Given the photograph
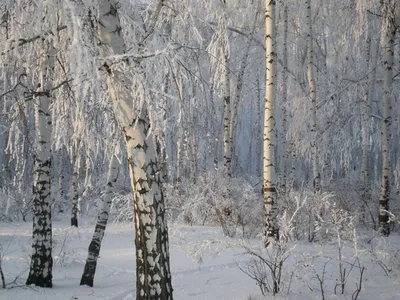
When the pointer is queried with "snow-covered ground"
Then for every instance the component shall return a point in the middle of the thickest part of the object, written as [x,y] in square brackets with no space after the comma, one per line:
[203,263]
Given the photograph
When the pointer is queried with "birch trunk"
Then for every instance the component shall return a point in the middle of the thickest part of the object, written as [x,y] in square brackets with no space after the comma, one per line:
[238,93]
[75,185]
[102,219]
[194,146]
[227,113]
[313,98]
[269,178]
[61,177]
[293,164]
[215,133]
[152,254]
[179,144]
[388,46]
[40,272]
[284,152]
[153,275]
[161,143]
[365,172]
[260,155]
[88,171]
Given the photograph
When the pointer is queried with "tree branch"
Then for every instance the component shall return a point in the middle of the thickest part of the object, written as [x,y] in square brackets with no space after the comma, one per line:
[23,41]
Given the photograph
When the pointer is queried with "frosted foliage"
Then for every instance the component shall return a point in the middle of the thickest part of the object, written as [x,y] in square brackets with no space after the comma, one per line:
[218,48]
[70,33]
[232,204]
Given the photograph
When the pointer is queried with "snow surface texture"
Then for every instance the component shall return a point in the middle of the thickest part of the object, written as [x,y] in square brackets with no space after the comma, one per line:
[203,263]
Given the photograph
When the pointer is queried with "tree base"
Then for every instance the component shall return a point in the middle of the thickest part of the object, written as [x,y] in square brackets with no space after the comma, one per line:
[74,222]
[88,273]
[45,282]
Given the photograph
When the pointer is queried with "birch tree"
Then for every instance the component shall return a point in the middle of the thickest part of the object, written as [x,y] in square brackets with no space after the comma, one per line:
[372,58]
[152,250]
[227,103]
[285,78]
[102,219]
[388,47]
[269,178]
[313,98]
[40,272]
[76,162]
[239,88]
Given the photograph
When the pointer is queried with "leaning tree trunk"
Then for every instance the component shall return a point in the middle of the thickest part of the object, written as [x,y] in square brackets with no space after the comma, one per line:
[152,256]
[313,98]
[389,41]
[269,179]
[153,274]
[95,244]
[40,272]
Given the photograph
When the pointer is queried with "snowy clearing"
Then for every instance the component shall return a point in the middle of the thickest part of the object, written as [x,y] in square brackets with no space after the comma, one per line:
[203,262]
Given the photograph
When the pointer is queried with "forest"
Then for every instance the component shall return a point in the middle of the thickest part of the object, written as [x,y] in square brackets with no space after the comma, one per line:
[200,149]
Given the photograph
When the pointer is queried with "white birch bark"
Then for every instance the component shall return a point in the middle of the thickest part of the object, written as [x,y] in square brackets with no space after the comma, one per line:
[75,185]
[269,178]
[40,272]
[313,98]
[152,250]
[293,164]
[179,145]
[227,111]
[285,77]
[194,133]
[214,137]
[61,177]
[373,51]
[102,219]
[260,155]
[388,46]
[161,137]
[238,92]
[88,170]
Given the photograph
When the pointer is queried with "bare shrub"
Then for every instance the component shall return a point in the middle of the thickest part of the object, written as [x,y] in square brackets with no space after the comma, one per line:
[233,204]
[267,265]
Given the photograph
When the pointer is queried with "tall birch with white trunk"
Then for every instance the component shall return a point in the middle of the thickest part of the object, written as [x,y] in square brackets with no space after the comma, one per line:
[75,184]
[177,78]
[227,103]
[220,64]
[153,274]
[313,98]
[271,230]
[102,219]
[372,58]
[238,91]
[40,272]
[388,47]
[284,152]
